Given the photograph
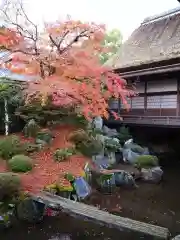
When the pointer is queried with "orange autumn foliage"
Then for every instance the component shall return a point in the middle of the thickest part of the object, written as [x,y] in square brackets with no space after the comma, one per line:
[65,59]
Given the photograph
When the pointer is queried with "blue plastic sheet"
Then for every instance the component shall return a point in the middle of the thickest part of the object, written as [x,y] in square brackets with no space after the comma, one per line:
[82,188]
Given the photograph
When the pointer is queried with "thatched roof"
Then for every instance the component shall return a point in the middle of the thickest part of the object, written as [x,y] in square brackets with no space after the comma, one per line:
[157,39]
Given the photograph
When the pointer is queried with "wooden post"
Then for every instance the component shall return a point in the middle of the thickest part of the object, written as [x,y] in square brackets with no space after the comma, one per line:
[145,96]
[178,98]
[6,117]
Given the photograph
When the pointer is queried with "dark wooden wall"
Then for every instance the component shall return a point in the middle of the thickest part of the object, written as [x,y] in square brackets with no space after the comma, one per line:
[168,93]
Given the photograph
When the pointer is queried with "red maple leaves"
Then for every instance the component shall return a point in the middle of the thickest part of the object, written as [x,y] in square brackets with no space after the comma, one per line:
[65,59]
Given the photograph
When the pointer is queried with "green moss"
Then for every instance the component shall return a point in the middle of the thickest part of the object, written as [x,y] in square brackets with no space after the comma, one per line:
[62,188]
[69,177]
[146,161]
[20,163]
[59,188]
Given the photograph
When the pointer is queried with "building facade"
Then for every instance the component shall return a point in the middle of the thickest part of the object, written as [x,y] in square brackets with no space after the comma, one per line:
[150,63]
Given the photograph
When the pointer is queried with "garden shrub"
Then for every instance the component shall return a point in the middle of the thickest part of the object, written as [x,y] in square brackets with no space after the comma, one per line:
[30,147]
[146,161]
[20,163]
[63,154]
[90,147]
[86,142]
[9,185]
[78,136]
[124,134]
[10,146]
[111,145]
[31,128]
[69,177]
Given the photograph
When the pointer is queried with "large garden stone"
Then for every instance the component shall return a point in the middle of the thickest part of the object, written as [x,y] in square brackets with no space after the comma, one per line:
[153,175]
[30,211]
[123,178]
[110,132]
[98,123]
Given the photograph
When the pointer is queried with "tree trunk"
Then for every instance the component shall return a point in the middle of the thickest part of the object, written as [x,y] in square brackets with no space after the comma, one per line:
[6,117]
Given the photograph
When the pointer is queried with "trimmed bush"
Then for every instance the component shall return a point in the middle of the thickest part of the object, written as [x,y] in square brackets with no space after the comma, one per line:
[9,185]
[63,154]
[10,146]
[146,161]
[20,163]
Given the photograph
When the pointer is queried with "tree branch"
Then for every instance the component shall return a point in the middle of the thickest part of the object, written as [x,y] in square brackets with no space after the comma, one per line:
[75,40]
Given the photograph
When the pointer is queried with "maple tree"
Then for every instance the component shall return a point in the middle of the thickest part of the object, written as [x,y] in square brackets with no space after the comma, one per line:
[64,59]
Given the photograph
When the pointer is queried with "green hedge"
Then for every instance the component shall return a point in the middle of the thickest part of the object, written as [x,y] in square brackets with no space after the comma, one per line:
[10,146]
[20,163]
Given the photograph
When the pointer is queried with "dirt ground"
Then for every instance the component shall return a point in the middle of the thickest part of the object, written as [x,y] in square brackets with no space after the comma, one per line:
[156,204]
[152,203]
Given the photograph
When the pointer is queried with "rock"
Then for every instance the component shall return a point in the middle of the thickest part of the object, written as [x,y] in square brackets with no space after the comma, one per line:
[111,158]
[98,123]
[123,178]
[30,211]
[176,237]
[129,156]
[153,175]
[110,132]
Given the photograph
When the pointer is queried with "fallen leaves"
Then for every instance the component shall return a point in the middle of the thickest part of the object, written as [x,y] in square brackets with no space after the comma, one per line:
[46,171]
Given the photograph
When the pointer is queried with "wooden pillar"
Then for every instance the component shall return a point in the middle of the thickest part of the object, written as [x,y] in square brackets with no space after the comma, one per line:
[178,97]
[145,96]
[119,106]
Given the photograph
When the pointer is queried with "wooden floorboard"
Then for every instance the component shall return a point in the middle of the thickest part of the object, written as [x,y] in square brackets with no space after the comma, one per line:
[101,217]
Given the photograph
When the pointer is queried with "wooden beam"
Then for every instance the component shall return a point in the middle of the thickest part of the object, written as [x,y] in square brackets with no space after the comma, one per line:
[158,93]
[90,213]
[150,71]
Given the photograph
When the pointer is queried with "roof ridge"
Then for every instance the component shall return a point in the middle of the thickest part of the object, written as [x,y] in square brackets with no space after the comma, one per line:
[162,15]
